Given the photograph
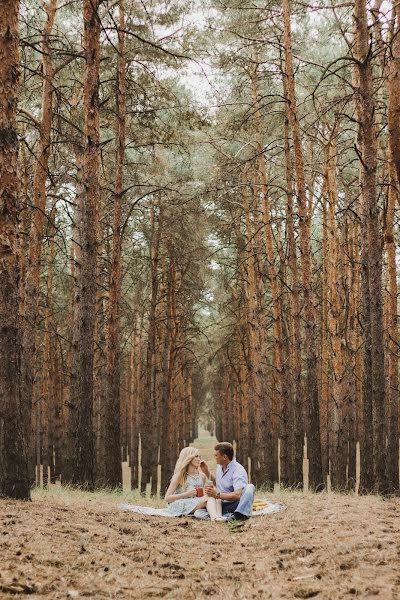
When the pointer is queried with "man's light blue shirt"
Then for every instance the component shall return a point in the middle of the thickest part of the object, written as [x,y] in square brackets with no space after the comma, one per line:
[233,479]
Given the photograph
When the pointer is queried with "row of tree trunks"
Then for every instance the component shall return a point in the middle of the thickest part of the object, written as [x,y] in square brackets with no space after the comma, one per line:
[341,380]
[347,384]
[162,405]
[74,368]
[273,385]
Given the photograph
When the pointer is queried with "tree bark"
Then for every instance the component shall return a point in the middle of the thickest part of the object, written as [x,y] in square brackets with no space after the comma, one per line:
[81,425]
[148,409]
[374,367]
[14,414]
[338,392]
[113,469]
[354,354]
[325,362]
[296,427]
[48,389]
[316,480]
[261,449]
[279,400]
[394,93]
[136,394]
[392,337]
[391,72]
[31,290]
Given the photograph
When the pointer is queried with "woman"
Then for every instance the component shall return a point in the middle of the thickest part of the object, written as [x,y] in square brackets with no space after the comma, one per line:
[182,496]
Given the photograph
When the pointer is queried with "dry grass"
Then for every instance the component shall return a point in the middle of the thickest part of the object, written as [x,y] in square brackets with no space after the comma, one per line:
[72,544]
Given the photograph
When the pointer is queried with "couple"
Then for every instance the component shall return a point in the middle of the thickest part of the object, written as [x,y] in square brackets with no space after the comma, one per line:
[228,495]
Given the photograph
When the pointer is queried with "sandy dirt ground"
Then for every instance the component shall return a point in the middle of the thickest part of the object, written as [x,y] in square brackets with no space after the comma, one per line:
[73,544]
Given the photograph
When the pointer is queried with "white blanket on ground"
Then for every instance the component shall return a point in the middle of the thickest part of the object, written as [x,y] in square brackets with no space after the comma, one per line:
[270,508]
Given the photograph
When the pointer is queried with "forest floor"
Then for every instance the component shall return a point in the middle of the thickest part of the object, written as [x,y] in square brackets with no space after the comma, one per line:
[70,544]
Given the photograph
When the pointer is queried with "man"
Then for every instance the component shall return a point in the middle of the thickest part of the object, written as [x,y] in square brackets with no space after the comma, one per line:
[232,486]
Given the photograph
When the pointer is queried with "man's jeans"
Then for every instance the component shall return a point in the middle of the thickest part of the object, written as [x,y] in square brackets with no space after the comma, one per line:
[244,505]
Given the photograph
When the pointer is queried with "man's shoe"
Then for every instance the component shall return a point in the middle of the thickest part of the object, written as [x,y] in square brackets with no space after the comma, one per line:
[239,516]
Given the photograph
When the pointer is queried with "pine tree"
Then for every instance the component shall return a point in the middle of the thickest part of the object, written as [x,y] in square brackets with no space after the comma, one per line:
[14,414]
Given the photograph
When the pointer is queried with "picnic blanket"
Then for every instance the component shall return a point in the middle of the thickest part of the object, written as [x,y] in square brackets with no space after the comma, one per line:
[271,507]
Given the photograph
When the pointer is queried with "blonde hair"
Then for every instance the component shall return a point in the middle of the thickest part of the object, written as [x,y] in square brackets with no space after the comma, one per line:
[185,458]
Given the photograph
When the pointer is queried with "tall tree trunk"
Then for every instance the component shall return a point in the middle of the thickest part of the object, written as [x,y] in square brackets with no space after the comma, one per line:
[168,399]
[31,291]
[261,450]
[48,391]
[125,403]
[59,422]
[14,429]
[74,307]
[244,410]
[148,412]
[113,469]
[391,72]
[316,480]
[165,400]
[374,367]
[364,360]
[279,398]
[99,359]
[354,354]
[188,404]
[394,92]
[136,399]
[337,398]
[392,337]
[25,212]
[81,426]
[296,427]
[172,386]
[325,362]
[243,362]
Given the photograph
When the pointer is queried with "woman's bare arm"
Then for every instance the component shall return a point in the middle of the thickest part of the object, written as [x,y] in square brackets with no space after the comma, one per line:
[170,496]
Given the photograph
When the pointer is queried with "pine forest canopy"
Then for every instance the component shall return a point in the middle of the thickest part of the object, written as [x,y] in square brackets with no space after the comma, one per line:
[199,223]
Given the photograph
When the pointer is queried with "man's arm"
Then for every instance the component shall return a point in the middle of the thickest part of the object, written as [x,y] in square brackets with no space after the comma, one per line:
[227,496]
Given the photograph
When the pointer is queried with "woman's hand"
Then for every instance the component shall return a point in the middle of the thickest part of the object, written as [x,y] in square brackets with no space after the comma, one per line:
[191,493]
